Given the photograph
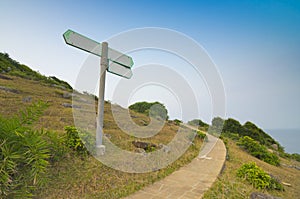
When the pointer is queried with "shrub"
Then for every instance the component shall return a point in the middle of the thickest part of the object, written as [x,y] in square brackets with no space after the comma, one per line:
[177,122]
[201,135]
[258,177]
[79,141]
[233,136]
[251,130]
[199,123]
[259,151]
[233,129]
[232,126]
[295,156]
[156,109]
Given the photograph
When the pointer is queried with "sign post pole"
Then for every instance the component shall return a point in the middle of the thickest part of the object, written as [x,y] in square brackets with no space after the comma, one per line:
[120,65]
[99,132]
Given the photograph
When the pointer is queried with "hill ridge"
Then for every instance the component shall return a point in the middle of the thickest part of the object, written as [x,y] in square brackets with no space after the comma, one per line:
[10,66]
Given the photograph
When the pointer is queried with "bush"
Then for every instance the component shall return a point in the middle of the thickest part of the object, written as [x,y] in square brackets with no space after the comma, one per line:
[201,135]
[199,123]
[79,141]
[233,136]
[259,151]
[295,156]
[177,122]
[258,177]
[233,129]
[156,109]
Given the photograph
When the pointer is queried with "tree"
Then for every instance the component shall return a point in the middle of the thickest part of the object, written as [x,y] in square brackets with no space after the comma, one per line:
[153,109]
[217,125]
[232,126]
[199,123]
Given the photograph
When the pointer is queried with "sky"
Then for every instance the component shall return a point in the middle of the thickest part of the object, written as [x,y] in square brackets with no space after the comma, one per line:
[254,44]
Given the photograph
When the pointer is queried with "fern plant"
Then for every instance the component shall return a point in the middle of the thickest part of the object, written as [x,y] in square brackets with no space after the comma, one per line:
[24,154]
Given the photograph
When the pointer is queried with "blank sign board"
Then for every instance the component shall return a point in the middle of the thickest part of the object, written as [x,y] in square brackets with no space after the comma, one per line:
[120,63]
[121,71]
[79,41]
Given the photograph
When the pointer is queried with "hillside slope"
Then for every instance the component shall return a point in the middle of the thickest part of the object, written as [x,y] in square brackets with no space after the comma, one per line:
[75,175]
[11,67]
[229,186]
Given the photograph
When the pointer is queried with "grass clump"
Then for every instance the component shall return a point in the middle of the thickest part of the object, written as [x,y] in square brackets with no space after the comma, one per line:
[258,177]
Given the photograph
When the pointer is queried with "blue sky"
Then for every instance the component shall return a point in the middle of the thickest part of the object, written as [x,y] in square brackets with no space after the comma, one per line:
[255,44]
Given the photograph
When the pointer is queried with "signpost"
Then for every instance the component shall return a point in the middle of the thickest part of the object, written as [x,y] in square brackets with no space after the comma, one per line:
[120,65]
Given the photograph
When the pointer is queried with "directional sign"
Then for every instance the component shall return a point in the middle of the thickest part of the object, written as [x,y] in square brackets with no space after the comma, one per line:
[120,65]
[79,41]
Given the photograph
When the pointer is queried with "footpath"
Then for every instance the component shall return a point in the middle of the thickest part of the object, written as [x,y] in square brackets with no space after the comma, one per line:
[192,180]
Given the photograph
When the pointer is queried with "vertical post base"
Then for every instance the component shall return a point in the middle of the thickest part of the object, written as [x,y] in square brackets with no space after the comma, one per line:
[100,150]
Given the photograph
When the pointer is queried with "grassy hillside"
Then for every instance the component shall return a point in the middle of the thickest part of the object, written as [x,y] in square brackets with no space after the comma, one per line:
[233,129]
[74,175]
[11,67]
[228,185]
[248,143]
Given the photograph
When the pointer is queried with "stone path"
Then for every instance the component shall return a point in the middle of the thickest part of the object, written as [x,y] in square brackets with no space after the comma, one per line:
[192,180]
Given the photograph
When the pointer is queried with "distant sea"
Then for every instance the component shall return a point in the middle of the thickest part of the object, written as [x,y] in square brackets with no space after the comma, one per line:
[288,138]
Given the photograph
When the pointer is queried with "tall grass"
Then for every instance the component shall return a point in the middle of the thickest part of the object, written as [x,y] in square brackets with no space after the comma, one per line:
[24,154]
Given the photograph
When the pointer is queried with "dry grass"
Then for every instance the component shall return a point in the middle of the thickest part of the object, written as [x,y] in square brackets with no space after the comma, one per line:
[76,176]
[229,186]
[54,118]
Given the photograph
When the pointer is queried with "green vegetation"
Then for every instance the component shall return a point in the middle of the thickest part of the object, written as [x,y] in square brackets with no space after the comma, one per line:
[259,151]
[232,128]
[258,177]
[199,123]
[156,109]
[248,143]
[78,140]
[12,67]
[217,125]
[76,174]
[25,154]
[72,173]
[228,185]
[295,156]
[254,140]
[201,135]
[177,121]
